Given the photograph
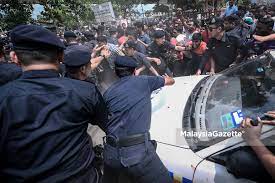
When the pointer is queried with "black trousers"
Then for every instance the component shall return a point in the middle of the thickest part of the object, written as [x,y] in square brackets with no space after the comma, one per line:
[140,167]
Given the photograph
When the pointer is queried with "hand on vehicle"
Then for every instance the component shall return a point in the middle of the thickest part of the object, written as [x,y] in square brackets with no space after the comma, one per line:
[198,72]
[251,133]
[168,80]
[212,72]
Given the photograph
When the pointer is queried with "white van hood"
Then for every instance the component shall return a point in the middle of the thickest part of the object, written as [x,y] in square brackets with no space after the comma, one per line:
[168,105]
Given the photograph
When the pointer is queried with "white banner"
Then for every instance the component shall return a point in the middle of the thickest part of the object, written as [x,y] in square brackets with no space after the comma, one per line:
[104,12]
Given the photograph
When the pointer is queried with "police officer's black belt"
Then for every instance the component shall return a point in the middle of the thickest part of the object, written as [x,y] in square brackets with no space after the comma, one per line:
[128,141]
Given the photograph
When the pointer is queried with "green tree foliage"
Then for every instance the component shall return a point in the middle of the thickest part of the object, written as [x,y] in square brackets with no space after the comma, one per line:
[14,12]
[70,13]
[161,8]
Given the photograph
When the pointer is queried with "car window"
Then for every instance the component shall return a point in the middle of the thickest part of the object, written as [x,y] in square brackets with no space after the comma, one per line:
[246,90]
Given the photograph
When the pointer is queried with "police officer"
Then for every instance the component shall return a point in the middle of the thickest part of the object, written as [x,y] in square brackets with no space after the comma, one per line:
[44,117]
[128,150]
[79,63]
[160,48]
[141,60]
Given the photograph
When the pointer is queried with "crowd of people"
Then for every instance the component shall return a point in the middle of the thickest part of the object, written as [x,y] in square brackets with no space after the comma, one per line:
[181,46]
[52,86]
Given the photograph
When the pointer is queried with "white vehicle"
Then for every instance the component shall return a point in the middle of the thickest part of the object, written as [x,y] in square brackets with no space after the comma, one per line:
[217,104]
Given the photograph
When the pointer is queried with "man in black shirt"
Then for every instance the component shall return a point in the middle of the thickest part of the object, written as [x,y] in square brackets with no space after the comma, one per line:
[222,48]
[160,48]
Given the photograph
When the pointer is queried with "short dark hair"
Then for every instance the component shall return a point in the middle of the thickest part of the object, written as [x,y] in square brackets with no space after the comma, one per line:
[70,39]
[139,25]
[269,22]
[102,39]
[231,19]
[72,70]
[131,32]
[124,71]
[30,57]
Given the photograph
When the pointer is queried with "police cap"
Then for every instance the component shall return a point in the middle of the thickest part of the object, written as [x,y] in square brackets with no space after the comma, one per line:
[78,56]
[32,37]
[68,34]
[159,34]
[125,61]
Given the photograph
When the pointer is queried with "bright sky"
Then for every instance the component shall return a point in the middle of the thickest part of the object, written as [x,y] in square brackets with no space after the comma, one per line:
[145,7]
[37,9]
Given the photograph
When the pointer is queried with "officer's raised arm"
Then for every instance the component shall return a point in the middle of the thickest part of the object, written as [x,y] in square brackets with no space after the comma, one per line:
[156,82]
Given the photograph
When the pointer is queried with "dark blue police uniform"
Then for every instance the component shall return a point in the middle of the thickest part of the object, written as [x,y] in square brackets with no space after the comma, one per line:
[128,151]
[76,57]
[161,52]
[44,118]
[9,72]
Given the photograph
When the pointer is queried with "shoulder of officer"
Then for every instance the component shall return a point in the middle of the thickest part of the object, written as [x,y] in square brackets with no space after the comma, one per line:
[77,84]
[9,72]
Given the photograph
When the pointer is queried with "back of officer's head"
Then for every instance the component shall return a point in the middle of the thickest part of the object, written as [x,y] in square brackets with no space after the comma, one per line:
[125,66]
[78,62]
[35,45]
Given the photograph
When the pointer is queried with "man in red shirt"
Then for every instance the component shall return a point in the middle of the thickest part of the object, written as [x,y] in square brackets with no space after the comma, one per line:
[196,48]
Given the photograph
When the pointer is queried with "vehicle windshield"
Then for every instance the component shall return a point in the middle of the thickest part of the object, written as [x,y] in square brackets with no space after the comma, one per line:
[225,99]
